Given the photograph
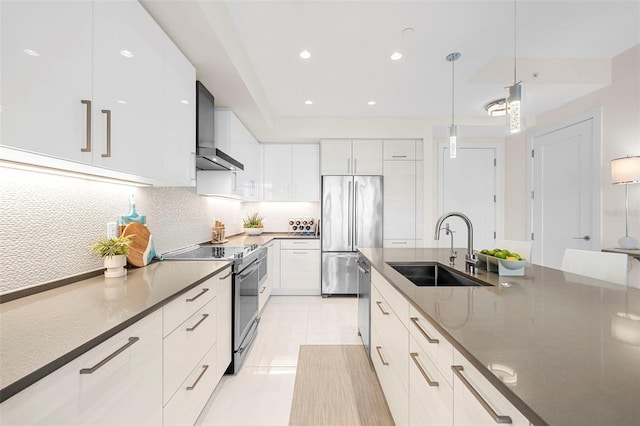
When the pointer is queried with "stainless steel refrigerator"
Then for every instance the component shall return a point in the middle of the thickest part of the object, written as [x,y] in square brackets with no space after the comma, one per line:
[351,218]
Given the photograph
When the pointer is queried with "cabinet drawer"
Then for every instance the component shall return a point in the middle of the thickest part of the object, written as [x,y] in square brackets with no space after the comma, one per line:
[394,391]
[189,400]
[178,310]
[440,352]
[430,395]
[394,335]
[300,244]
[471,391]
[186,345]
[398,303]
[399,149]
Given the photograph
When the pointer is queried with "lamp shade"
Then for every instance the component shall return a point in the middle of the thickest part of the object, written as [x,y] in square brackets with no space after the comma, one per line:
[625,170]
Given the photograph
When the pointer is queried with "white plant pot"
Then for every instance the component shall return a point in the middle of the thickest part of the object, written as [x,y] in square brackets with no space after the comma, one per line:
[115,266]
[253,231]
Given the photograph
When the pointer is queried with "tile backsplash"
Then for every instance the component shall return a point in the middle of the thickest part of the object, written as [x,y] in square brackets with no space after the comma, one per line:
[48,221]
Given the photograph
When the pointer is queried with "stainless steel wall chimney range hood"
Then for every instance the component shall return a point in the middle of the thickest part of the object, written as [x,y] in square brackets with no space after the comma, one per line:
[208,157]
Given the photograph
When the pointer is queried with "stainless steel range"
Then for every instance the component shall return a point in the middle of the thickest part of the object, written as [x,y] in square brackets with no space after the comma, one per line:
[249,270]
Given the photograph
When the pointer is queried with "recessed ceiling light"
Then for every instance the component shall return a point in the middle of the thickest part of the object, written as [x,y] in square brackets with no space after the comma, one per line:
[184,101]
[305,54]
[308,102]
[126,53]
[371,103]
[396,56]
[122,101]
[31,52]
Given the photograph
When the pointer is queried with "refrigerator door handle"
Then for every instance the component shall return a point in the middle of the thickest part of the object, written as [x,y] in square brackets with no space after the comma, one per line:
[349,215]
[355,214]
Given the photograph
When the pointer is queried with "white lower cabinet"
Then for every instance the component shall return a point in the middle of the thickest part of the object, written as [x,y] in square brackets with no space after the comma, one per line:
[299,267]
[478,402]
[117,382]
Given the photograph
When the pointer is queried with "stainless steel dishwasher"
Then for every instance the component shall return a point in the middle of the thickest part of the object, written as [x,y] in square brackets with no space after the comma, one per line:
[364,302]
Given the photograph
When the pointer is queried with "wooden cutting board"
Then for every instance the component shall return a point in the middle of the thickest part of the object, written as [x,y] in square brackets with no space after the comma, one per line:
[141,251]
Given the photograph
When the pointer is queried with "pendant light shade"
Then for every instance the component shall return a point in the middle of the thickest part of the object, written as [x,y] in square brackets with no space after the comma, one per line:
[514,101]
[453,129]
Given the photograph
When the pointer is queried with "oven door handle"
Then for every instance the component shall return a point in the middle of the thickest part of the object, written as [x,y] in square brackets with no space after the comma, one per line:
[248,270]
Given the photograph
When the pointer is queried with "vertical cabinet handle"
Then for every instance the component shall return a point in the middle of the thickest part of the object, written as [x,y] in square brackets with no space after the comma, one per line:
[458,369]
[430,339]
[379,350]
[414,357]
[91,370]
[108,112]
[204,370]
[355,214]
[381,308]
[355,166]
[87,147]
[348,165]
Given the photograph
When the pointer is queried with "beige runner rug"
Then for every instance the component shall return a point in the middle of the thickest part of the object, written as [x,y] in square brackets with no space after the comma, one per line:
[336,385]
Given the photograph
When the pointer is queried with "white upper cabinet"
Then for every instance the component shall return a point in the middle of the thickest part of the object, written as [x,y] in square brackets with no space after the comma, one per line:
[127,84]
[233,138]
[346,157]
[399,149]
[179,116]
[84,81]
[46,72]
[399,200]
[291,172]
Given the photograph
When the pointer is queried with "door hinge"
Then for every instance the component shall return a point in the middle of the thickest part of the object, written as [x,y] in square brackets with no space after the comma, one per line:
[532,236]
[495,162]
[533,154]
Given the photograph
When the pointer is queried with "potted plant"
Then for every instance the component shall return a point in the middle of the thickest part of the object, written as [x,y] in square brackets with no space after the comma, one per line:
[114,251]
[253,224]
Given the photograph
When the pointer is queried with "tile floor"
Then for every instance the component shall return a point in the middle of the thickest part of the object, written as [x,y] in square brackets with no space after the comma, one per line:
[261,392]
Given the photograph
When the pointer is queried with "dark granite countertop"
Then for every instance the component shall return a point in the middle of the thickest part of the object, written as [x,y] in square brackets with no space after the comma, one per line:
[572,341]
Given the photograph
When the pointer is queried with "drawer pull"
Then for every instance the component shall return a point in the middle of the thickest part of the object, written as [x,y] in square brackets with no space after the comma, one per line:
[379,349]
[204,290]
[225,277]
[398,156]
[414,357]
[457,369]
[193,386]
[204,317]
[299,252]
[423,332]
[263,289]
[91,370]
[381,308]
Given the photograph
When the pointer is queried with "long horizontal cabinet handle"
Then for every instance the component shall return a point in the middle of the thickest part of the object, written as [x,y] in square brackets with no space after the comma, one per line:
[93,369]
[379,350]
[204,370]
[191,299]
[414,357]
[226,276]
[458,369]
[204,317]
[430,339]
[381,308]
[262,289]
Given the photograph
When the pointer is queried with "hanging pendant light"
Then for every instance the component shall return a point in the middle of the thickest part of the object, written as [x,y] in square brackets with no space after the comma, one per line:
[453,129]
[515,93]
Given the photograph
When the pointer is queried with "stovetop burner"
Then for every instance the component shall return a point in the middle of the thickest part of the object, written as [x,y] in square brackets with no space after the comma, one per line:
[210,252]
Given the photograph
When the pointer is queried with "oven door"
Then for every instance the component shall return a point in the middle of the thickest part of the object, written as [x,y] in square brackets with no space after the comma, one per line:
[245,304]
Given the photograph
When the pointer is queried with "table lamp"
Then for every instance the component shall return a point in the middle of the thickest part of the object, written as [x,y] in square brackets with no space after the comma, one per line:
[624,171]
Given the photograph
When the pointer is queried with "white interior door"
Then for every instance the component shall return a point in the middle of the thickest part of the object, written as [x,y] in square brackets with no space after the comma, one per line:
[468,184]
[565,176]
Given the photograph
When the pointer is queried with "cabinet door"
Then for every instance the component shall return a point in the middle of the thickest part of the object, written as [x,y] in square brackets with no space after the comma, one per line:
[367,157]
[125,390]
[305,172]
[273,268]
[224,326]
[267,286]
[300,271]
[46,72]
[178,117]
[399,221]
[399,149]
[127,86]
[277,172]
[245,148]
[335,157]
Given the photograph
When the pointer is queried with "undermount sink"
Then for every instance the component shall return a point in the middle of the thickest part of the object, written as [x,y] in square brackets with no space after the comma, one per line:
[432,275]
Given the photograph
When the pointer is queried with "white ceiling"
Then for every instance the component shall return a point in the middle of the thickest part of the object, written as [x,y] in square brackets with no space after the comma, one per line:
[246,52]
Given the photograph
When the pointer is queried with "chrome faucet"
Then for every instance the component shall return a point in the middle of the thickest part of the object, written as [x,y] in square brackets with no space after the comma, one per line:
[452,254]
[470,260]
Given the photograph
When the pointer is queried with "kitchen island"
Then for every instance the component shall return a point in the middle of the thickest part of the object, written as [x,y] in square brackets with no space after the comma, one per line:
[566,339]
